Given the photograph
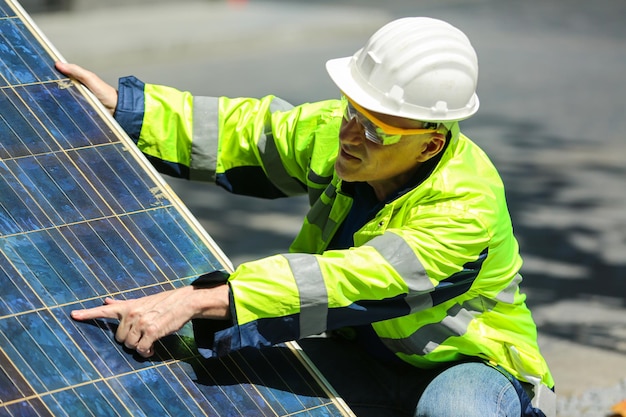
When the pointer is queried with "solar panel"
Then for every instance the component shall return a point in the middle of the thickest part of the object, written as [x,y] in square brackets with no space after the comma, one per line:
[82,217]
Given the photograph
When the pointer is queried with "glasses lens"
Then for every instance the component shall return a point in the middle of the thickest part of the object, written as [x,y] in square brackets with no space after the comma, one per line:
[370,130]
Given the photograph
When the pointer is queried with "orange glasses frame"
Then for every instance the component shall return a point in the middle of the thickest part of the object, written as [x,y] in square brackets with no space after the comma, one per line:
[376,130]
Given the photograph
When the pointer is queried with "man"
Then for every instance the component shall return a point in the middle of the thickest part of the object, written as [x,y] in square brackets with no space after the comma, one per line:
[407,257]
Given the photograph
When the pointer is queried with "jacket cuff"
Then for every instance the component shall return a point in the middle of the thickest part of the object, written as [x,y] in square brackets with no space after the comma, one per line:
[216,338]
[212,342]
[130,106]
[206,331]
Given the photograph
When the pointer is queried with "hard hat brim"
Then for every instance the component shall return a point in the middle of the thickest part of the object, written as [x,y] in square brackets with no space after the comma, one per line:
[340,72]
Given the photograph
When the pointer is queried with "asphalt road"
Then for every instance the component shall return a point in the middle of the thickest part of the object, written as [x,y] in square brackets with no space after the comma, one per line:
[553,107]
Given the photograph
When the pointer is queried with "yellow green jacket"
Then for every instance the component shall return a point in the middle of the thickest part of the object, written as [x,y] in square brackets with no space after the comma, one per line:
[436,272]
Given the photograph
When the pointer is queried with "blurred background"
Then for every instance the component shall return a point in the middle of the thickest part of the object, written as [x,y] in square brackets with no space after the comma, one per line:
[553,105]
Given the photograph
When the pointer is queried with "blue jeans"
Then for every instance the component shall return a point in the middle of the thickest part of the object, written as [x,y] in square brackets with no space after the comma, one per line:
[374,388]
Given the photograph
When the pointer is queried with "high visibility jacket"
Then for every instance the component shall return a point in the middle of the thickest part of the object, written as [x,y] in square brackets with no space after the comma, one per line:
[436,271]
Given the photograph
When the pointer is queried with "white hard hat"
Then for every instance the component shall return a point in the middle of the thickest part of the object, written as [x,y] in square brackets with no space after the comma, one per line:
[416,67]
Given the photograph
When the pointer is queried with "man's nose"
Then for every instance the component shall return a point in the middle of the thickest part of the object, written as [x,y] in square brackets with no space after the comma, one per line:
[351,131]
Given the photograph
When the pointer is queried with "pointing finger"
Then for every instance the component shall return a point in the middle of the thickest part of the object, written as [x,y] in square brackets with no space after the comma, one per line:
[111,310]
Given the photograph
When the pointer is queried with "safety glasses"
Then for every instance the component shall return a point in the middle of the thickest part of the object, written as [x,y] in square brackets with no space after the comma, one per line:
[375,129]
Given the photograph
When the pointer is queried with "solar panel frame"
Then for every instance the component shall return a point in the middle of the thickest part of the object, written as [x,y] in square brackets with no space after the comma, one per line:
[83,216]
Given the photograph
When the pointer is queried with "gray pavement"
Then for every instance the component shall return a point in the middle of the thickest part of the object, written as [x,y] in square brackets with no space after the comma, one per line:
[553,111]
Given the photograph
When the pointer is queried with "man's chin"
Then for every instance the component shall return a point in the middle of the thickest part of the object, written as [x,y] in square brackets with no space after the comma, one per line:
[344,172]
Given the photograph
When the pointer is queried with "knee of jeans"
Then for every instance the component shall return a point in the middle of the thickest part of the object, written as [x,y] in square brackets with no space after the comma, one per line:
[469,390]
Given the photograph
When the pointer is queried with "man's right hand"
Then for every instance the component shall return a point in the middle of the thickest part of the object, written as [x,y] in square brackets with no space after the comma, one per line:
[103,91]
[143,321]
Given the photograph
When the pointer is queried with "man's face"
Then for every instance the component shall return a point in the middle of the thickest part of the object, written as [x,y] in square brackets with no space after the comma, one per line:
[384,167]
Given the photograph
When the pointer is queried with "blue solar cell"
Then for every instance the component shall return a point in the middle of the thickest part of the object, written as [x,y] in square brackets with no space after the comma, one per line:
[13,386]
[22,56]
[123,194]
[23,214]
[83,217]
[93,399]
[17,295]
[5,10]
[67,118]
[21,136]
[29,408]
[51,270]
[172,241]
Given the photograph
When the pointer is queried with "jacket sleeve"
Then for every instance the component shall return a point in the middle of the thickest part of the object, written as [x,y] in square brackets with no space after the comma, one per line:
[402,270]
[260,147]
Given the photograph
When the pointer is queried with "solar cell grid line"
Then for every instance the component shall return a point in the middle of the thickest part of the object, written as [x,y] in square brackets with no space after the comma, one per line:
[83,216]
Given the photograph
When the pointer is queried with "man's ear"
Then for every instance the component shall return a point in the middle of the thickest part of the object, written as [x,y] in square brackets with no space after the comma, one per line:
[432,147]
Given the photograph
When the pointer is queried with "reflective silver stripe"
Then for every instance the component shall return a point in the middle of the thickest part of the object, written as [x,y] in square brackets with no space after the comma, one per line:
[204,139]
[314,193]
[318,179]
[272,163]
[278,104]
[419,302]
[319,215]
[507,295]
[313,295]
[545,400]
[401,257]
[428,338]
